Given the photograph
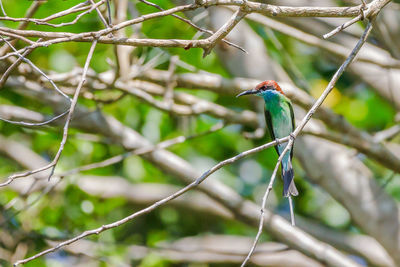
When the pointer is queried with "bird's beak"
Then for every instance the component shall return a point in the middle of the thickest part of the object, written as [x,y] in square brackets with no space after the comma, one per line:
[248,92]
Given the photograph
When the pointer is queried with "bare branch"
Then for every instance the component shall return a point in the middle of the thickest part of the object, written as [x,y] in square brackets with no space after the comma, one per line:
[109,12]
[169,92]
[194,25]
[223,31]
[287,11]
[66,127]
[141,151]
[103,20]
[29,13]
[2,8]
[366,12]
[67,12]
[15,64]
[36,68]
[217,249]
[31,124]
[334,48]
[77,8]
[387,133]
[344,25]
[16,36]
[246,7]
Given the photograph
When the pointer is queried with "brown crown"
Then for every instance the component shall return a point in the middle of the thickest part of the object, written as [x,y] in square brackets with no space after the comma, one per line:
[269,85]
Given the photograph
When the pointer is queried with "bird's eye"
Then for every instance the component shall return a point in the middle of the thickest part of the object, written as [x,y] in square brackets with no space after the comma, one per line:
[264,88]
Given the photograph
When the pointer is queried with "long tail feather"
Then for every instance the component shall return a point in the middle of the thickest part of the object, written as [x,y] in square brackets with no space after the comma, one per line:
[292,220]
[289,187]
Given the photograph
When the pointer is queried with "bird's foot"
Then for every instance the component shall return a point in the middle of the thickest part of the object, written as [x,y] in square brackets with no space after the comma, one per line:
[292,136]
[362,10]
[277,141]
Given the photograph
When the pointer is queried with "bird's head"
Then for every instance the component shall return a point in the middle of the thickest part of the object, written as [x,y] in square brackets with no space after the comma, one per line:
[262,88]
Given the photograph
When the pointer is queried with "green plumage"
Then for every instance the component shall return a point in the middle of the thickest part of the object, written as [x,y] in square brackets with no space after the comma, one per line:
[280,121]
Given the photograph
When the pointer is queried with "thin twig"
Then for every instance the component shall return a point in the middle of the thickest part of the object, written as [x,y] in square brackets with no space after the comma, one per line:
[390,87]
[298,76]
[171,83]
[364,5]
[109,12]
[74,9]
[343,26]
[264,201]
[223,31]
[32,124]
[334,48]
[387,133]
[22,26]
[72,107]
[12,67]
[140,151]
[334,79]
[65,130]
[207,44]
[103,20]
[31,202]
[75,20]
[16,36]
[36,68]
[194,25]
[2,9]
[77,8]
[99,35]
[365,12]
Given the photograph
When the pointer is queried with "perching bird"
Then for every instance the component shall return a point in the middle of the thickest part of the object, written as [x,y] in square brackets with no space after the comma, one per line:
[280,121]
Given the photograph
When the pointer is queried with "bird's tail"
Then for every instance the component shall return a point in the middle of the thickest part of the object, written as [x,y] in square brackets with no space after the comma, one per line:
[289,188]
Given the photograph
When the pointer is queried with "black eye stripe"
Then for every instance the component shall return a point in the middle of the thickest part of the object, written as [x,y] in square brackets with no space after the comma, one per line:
[265,88]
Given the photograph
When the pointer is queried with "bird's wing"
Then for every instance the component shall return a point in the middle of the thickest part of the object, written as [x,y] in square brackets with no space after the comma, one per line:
[293,123]
[268,119]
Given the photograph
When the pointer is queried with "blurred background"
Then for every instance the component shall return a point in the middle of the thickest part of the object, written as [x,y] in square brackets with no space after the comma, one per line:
[346,160]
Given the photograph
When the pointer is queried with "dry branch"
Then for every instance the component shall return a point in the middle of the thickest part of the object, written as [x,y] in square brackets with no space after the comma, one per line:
[334,48]
[211,249]
[206,44]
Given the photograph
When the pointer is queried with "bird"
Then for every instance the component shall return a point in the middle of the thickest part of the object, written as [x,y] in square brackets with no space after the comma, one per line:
[279,117]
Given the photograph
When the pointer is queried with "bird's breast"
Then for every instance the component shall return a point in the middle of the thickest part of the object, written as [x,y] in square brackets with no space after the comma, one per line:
[280,116]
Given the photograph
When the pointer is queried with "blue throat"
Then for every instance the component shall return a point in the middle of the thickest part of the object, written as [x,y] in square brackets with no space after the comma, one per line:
[269,95]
